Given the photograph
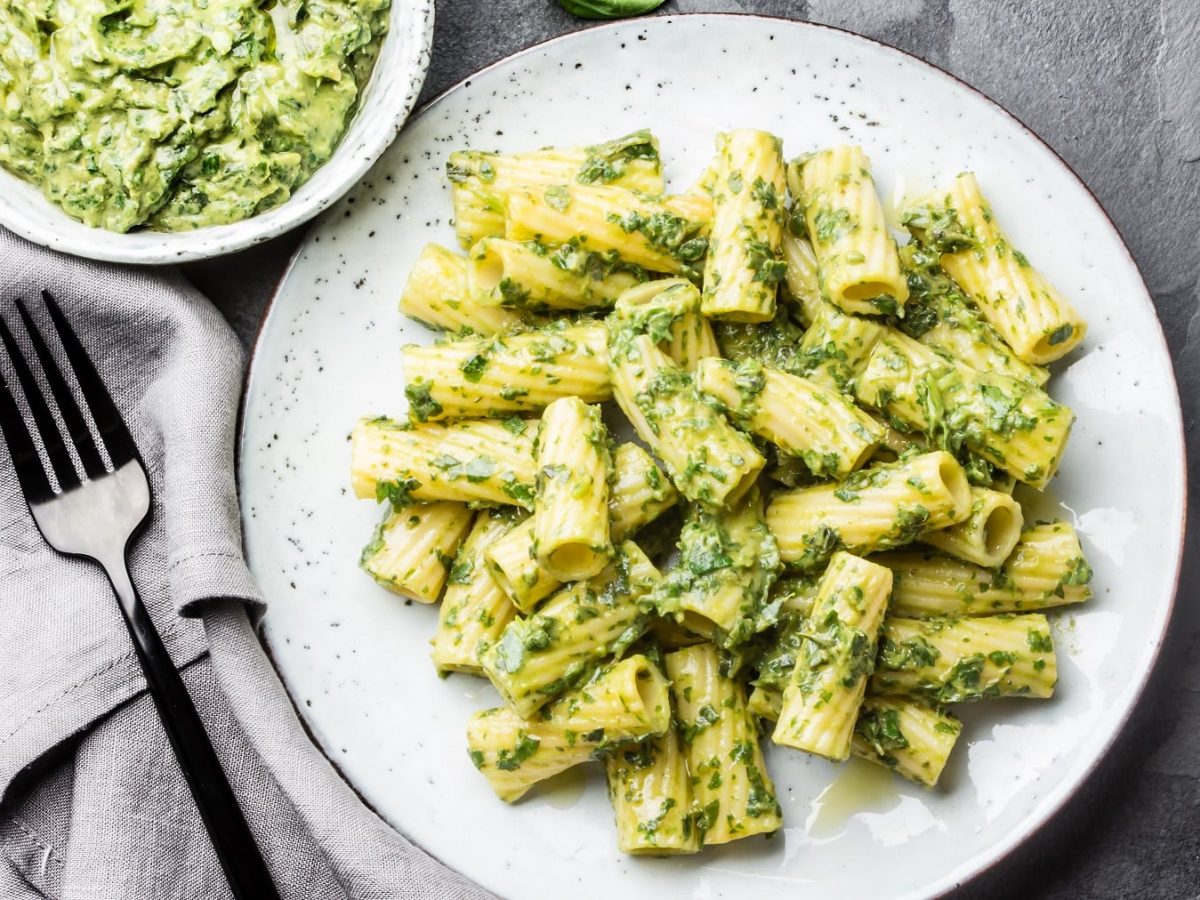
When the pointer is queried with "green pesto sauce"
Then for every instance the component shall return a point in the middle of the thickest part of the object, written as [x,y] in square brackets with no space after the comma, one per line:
[176,114]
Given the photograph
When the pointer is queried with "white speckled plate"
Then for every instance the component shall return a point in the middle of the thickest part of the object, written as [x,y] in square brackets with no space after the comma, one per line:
[387,100]
[356,658]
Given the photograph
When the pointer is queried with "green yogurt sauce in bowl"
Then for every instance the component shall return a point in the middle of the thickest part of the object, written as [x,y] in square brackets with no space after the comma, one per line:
[173,115]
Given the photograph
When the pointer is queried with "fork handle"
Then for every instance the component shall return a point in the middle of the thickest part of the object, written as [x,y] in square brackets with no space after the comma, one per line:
[237,851]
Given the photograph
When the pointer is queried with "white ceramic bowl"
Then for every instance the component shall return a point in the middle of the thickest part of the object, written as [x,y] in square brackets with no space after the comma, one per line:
[388,99]
[356,658]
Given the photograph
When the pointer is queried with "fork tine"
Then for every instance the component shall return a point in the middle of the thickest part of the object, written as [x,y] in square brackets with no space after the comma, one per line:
[121,448]
[43,419]
[22,449]
[77,428]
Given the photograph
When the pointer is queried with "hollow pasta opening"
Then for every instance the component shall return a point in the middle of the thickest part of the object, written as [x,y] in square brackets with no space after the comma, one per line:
[955,479]
[739,490]
[866,290]
[648,688]
[575,561]
[487,269]
[1000,532]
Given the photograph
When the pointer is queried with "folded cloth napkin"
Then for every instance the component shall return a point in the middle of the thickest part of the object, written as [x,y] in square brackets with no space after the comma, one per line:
[92,802]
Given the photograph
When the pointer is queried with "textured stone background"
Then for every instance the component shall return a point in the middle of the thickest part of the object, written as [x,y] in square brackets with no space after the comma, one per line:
[1114,87]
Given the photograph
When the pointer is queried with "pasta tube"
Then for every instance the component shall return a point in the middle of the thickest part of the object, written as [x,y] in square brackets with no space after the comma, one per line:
[436,294]
[553,650]
[530,275]
[639,494]
[1003,482]
[956,660]
[910,739]
[765,702]
[662,235]
[877,508]
[745,264]
[832,435]
[733,792]
[412,548]
[669,311]
[640,491]
[507,373]
[475,460]
[651,794]
[836,347]
[802,277]
[627,701]
[1032,317]
[988,535]
[708,460]
[858,264]
[937,314]
[835,658]
[1009,423]
[1046,569]
[474,611]
[481,180]
[728,562]
[570,513]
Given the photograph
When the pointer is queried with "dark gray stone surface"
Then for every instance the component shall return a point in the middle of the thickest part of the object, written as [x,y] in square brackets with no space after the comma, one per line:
[1115,89]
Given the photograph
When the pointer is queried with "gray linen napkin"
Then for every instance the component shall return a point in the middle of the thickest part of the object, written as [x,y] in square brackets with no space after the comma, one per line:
[92,803]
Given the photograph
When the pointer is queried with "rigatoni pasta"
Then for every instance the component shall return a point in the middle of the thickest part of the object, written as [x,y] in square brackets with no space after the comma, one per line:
[509,373]
[1047,568]
[640,492]
[437,294]
[651,793]
[802,277]
[531,276]
[744,264]
[544,654]
[668,309]
[877,508]
[911,739]
[939,315]
[841,423]
[474,611]
[989,533]
[836,346]
[662,235]
[484,460]
[627,701]
[734,794]
[859,268]
[1010,423]
[411,551]
[1034,319]
[707,459]
[481,181]
[958,660]
[835,658]
[570,524]
[727,564]
[820,426]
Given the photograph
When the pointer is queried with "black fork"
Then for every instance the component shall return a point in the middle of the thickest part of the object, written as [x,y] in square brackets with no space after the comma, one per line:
[97,517]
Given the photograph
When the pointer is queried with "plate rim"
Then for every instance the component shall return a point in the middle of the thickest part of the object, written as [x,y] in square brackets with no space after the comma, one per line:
[951,881]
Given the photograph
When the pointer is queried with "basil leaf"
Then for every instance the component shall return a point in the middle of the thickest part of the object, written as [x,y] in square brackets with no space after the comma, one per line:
[609,9]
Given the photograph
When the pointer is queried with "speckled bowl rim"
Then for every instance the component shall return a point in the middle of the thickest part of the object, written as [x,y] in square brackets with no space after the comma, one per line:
[945,883]
[352,162]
